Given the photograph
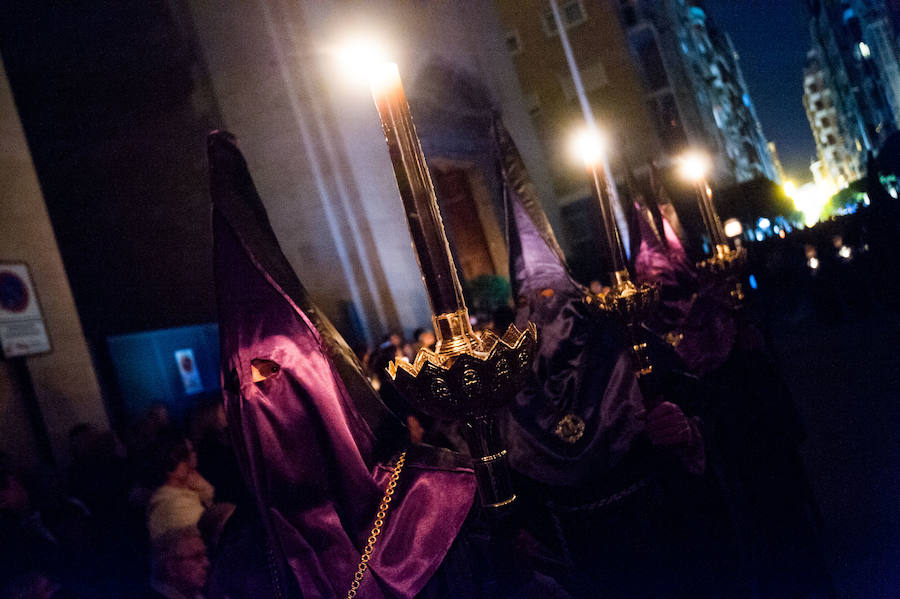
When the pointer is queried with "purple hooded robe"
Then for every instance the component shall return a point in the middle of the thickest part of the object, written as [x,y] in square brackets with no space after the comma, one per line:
[313,440]
[578,414]
[695,311]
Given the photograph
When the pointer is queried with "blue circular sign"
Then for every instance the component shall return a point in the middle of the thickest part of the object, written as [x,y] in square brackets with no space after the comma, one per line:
[13,292]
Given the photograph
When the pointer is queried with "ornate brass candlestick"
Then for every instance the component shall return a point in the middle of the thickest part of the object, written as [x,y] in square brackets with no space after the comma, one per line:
[725,262]
[628,303]
[469,375]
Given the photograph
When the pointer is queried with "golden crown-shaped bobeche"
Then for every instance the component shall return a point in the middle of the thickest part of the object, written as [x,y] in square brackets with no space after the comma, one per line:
[468,373]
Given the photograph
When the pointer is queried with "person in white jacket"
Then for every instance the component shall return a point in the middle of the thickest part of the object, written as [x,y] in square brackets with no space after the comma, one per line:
[184,495]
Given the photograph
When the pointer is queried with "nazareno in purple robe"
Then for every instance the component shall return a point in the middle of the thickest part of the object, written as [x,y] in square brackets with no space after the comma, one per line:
[696,311]
[582,377]
[313,439]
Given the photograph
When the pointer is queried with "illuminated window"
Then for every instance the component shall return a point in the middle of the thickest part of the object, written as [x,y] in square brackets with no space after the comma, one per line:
[572,13]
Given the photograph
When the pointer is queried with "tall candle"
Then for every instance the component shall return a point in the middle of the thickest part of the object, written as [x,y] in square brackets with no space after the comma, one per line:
[713,222]
[608,228]
[417,193]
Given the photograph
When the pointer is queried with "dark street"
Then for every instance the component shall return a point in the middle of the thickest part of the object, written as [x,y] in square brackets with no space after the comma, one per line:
[845,379]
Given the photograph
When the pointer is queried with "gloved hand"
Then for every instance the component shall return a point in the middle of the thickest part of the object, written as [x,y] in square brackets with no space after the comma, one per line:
[667,426]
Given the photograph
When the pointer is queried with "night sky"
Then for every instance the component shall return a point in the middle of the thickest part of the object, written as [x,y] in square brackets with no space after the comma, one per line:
[772,38]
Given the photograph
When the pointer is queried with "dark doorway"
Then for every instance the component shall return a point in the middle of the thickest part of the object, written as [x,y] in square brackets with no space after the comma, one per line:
[465,229]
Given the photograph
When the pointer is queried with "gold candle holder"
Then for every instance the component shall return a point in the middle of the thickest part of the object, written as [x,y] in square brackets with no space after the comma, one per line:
[469,375]
[628,303]
[725,262]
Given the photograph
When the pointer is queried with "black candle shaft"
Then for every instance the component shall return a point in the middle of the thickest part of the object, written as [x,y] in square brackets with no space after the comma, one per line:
[610,231]
[417,193]
[711,217]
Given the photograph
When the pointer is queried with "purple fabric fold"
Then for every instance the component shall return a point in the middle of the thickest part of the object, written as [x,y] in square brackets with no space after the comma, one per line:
[313,440]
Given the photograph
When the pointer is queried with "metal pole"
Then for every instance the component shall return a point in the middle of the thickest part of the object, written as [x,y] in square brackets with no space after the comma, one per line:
[589,118]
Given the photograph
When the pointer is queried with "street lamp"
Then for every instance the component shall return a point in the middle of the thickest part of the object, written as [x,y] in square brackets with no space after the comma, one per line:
[733,228]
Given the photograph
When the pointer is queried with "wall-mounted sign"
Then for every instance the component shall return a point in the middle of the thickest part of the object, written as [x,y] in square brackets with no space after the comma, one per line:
[22,328]
[187,367]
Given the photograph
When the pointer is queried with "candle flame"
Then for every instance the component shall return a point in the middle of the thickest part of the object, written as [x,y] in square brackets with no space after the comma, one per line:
[360,57]
[384,76]
[589,145]
[694,166]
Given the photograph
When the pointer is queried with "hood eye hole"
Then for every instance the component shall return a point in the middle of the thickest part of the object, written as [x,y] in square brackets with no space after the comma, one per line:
[263,369]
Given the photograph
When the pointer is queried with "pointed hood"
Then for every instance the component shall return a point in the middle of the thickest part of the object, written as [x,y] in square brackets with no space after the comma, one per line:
[313,439]
[696,314]
[536,260]
[659,197]
[659,255]
[576,417]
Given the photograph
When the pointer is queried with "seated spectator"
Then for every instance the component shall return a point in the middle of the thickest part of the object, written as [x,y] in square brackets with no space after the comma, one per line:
[179,565]
[424,337]
[50,536]
[216,461]
[183,494]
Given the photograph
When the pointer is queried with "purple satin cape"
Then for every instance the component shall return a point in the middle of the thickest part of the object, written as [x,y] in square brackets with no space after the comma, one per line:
[313,439]
[580,369]
[698,310]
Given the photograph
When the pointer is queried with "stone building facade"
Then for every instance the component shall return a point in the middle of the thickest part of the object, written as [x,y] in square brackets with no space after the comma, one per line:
[829,128]
[855,56]
[695,87]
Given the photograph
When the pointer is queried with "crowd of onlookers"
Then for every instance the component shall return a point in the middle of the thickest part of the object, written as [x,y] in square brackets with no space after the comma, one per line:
[138,516]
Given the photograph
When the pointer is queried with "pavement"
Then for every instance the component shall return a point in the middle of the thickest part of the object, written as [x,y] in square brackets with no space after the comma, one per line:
[845,378]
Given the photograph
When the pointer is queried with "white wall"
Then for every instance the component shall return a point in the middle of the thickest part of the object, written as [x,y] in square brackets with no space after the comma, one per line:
[64,380]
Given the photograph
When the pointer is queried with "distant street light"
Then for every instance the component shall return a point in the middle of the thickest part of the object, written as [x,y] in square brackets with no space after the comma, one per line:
[790,188]
[733,228]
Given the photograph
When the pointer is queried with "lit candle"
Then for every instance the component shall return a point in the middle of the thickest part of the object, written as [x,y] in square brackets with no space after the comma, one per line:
[694,167]
[590,146]
[417,193]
